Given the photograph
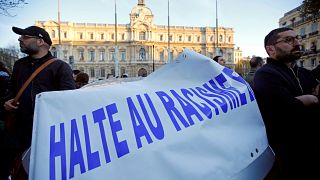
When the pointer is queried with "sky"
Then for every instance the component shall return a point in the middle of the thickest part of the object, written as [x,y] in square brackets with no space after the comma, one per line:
[251,20]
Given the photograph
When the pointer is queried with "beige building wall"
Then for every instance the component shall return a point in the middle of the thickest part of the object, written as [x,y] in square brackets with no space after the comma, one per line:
[142,46]
[308,29]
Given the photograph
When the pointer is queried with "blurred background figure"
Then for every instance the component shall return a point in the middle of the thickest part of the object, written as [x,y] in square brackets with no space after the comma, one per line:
[4,82]
[81,79]
[255,64]
[220,60]
[75,73]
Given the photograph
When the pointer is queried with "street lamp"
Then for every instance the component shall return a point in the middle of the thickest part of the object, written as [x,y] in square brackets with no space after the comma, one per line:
[152,58]
[169,58]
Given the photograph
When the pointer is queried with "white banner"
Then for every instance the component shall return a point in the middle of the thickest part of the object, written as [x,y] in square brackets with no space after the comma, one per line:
[191,119]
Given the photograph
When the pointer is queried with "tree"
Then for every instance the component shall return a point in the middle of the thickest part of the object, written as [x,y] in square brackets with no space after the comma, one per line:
[310,8]
[9,55]
[6,5]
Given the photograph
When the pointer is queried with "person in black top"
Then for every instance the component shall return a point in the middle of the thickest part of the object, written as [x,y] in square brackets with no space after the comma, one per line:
[255,64]
[35,42]
[289,106]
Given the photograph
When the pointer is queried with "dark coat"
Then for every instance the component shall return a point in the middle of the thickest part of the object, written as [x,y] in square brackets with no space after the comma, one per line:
[291,126]
[56,76]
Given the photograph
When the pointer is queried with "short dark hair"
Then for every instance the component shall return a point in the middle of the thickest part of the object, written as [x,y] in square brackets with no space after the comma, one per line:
[255,61]
[82,77]
[76,71]
[272,37]
[216,58]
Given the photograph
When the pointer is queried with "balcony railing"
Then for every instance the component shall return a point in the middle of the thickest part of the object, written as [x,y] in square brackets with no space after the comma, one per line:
[313,33]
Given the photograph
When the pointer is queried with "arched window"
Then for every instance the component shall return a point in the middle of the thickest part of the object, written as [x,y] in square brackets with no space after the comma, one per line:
[220,38]
[91,54]
[53,33]
[54,51]
[123,55]
[161,55]
[142,72]
[142,54]
[102,54]
[81,54]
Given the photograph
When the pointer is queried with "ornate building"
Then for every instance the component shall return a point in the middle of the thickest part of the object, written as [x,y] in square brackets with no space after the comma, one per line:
[308,29]
[135,49]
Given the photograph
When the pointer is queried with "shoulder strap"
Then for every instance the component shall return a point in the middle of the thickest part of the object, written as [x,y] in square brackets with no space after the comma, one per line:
[34,74]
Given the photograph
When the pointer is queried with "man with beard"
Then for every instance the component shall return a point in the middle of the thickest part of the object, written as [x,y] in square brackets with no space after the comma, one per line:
[35,42]
[286,97]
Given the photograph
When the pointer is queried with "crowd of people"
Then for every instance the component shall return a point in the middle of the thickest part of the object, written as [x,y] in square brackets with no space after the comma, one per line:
[287,95]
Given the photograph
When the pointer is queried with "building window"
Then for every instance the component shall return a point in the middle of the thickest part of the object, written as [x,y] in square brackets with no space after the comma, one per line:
[142,35]
[161,55]
[91,35]
[170,38]
[314,27]
[101,36]
[91,53]
[198,38]
[123,55]
[80,35]
[53,34]
[211,38]
[113,55]
[81,55]
[102,55]
[92,73]
[229,57]
[65,35]
[112,36]
[189,38]
[229,39]
[161,37]
[102,72]
[220,38]
[142,54]
[180,38]
[122,36]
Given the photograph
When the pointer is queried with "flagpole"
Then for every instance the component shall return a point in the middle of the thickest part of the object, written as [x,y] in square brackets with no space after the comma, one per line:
[116,63]
[217,32]
[169,57]
[59,32]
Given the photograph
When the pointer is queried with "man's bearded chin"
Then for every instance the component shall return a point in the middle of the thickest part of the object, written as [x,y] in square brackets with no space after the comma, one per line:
[294,55]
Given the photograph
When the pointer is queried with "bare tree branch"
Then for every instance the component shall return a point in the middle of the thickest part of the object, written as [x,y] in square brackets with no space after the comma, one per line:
[6,5]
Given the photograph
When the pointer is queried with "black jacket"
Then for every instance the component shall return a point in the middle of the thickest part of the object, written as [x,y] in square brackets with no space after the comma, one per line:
[291,127]
[56,76]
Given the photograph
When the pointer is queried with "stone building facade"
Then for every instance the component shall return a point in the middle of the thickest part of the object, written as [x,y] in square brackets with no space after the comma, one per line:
[308,28]
[137,49]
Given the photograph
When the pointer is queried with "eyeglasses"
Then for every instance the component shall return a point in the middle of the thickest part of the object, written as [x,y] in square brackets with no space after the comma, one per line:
[289,39]
[28,37]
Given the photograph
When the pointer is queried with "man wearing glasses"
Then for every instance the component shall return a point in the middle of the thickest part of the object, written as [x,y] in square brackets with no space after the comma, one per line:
[35,42]
[289,106]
